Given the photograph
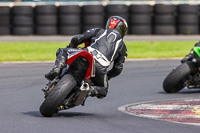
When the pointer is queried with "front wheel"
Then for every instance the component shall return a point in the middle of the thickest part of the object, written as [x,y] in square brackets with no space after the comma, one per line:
[174,82]
[57,95]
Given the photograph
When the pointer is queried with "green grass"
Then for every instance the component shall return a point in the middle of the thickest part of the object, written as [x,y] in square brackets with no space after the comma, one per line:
[40,51]
[29,51]
[159,49]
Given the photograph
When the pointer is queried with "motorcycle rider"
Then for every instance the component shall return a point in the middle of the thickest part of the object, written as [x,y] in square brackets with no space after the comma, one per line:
[189,56]
[106,46]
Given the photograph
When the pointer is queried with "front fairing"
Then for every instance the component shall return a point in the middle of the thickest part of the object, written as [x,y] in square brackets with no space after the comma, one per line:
[196,55]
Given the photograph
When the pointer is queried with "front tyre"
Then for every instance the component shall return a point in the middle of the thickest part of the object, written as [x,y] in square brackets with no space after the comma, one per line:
[57,95]
[174,82]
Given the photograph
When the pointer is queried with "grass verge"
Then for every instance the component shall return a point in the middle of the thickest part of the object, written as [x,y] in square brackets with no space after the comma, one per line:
[159,49]
[40,51]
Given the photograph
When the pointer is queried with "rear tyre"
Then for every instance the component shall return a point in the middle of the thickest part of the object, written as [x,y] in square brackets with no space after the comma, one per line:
[174,82]
[57,95]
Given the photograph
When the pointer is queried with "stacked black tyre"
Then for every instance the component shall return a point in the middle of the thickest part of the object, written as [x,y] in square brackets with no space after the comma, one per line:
[22,20]
[69,19]
[92,17]
[164,19]
[188,19]
[46,20]
[4,20]
[140,20]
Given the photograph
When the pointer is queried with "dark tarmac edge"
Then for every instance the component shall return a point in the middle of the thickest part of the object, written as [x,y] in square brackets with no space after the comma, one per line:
[62,38]
[52,61]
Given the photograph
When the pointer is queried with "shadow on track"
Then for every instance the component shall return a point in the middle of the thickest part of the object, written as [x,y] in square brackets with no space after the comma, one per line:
[184,91]
[71,114]
[60,114]
[33,113]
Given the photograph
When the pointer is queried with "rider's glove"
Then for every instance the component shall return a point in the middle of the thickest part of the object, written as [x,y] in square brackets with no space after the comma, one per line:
[68,46]
[184,60]
[188,57]
[108,75]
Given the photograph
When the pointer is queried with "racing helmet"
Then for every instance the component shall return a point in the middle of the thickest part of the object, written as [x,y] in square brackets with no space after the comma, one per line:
[118,23]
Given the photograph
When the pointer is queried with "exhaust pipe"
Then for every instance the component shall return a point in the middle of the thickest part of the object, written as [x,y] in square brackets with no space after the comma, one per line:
[82,95]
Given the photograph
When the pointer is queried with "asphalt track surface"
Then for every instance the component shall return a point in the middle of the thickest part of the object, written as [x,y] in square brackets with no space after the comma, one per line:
[140,81]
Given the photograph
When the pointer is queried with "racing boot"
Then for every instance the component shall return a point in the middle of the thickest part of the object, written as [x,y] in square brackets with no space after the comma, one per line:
[97,91]
[60,63]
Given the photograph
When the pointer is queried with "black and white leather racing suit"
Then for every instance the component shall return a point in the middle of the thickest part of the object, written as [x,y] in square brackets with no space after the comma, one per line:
[106,46]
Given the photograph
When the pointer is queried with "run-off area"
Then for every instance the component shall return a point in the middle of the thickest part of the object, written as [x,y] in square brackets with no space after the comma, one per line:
[184,111]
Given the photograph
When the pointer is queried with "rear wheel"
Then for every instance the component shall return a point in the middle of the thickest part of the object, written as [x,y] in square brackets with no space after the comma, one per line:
[174,82]
[57,95]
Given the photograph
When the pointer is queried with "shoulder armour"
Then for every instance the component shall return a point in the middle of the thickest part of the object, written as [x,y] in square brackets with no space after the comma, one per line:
[113,36]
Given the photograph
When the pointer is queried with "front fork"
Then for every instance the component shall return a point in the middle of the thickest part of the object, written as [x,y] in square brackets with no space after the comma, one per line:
[193,81]
[49,86]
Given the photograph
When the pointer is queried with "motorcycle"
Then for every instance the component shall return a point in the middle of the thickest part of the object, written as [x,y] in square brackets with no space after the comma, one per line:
[71,87]
[185,75]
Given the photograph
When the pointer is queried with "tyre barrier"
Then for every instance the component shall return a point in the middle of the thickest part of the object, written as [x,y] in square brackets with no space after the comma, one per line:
[144,19]
[164,19]
[22,20]
[69,20]
[92,17]
[46,20]
[188,19]
[140,20]
[4,20]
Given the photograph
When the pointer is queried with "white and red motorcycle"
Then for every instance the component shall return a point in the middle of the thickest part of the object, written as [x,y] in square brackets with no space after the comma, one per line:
[71,87]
